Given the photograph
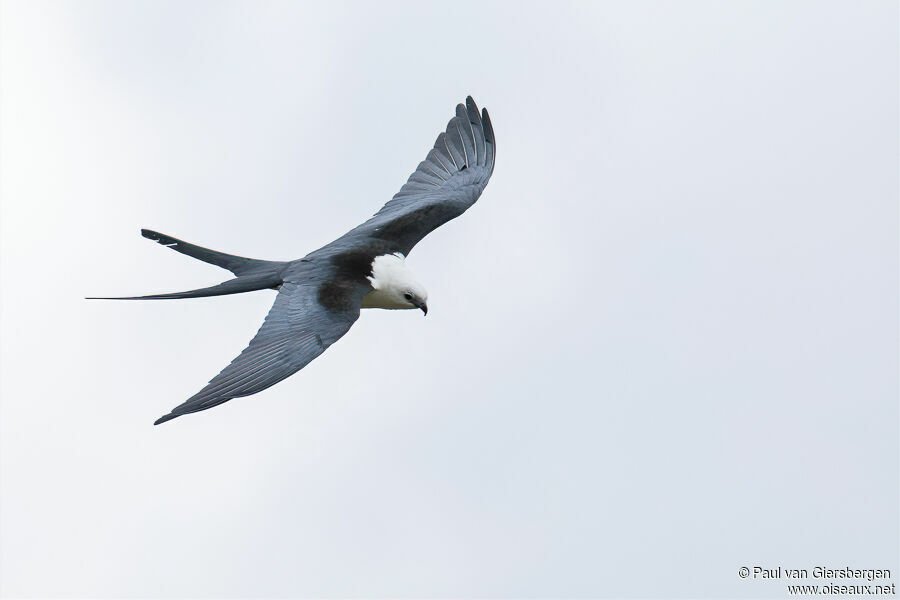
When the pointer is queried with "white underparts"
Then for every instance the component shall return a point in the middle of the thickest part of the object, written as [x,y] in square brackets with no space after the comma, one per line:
[390,280]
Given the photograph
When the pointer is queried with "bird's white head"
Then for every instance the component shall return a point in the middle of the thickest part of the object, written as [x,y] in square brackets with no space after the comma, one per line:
[394,286]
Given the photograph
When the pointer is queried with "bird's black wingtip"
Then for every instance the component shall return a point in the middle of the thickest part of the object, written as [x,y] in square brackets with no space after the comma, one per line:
[165,418]
[488,127]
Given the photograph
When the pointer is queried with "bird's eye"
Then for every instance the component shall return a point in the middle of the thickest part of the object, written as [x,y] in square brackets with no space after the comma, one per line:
[408,297]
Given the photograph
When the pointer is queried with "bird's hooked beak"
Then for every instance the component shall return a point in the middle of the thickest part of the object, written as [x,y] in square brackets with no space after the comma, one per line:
[422,306]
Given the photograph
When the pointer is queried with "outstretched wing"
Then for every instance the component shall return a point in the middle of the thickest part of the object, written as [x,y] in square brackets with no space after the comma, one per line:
[445,184]
[297,329]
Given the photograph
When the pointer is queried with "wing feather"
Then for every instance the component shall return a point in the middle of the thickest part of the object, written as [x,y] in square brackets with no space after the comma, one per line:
[466,135]
[455,145]
[490,145]
[477,130]
[435,158]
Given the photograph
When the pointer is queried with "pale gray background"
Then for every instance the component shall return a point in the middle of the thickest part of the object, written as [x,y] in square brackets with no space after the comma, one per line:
[662,346]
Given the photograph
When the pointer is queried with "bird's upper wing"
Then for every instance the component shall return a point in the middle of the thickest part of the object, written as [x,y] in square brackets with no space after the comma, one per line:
[297,329]
[445,184]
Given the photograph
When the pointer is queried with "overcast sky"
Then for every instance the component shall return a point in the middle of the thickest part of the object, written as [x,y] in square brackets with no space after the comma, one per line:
[662,346]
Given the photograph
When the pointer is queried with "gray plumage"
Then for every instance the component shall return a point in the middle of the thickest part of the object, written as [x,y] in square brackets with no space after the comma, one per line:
[320,295]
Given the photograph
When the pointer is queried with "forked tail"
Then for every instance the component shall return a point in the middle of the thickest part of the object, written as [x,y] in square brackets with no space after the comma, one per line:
[252,274]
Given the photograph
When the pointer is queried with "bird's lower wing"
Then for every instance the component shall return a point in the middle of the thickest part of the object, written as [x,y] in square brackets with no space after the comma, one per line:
[297,330]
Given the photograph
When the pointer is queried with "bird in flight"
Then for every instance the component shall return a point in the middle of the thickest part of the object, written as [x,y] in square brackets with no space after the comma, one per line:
[320,295]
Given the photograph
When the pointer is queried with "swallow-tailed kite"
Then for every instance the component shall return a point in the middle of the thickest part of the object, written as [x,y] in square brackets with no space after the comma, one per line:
[320,295]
